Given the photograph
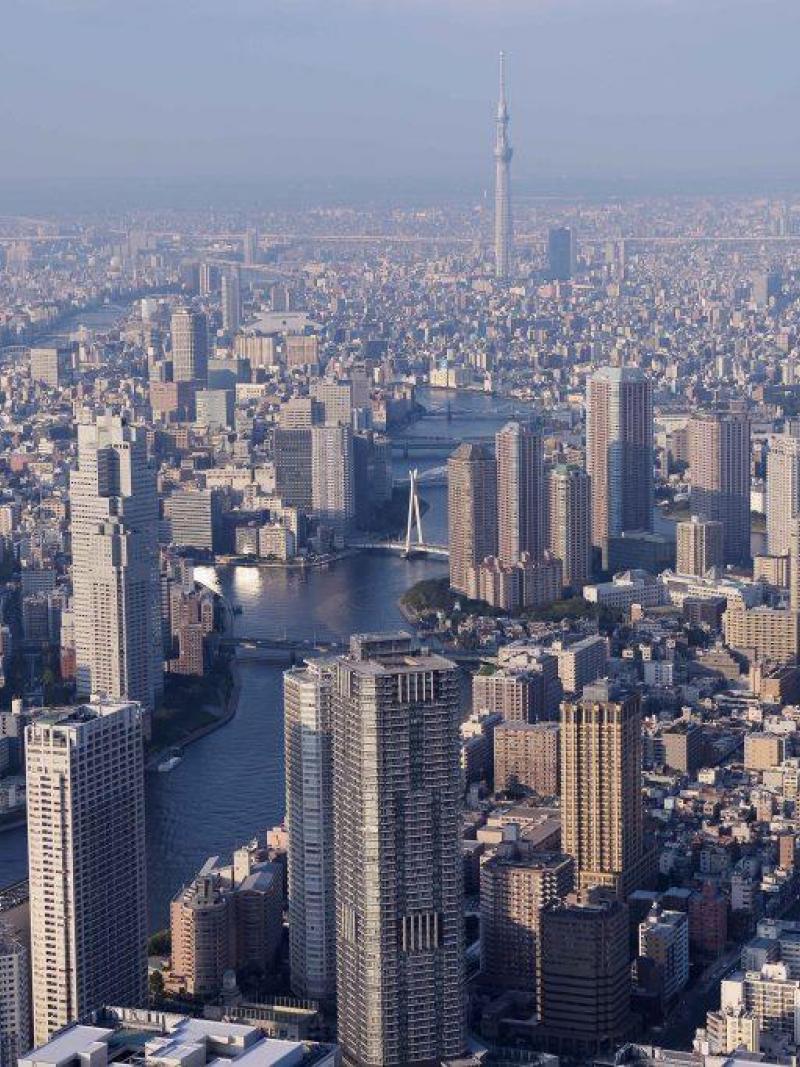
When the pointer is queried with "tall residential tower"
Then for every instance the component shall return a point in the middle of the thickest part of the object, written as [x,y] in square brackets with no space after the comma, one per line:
[619,452]
[397,807]
[114,509]
[503,234]
[85,790]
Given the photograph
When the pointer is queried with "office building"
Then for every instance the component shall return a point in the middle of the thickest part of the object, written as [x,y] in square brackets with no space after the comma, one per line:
[189,331]
[309,825]
[719,461]
[570,522]
[783,491]
[585,985]
[114,513]
[640,550]
[700,546]
[86,850]
[333,498]
[521,501]
[15,996]
[526,755]
[562,253]
[293,466]
[472,514]
[515,884]
[214,409]
[231,302]
[503,225]
[193,518]
[51,365]
[619,451]
[336,400]
[601,801]
[399,882]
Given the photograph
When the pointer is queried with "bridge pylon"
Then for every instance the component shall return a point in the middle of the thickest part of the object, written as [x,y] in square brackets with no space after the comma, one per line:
[414,516]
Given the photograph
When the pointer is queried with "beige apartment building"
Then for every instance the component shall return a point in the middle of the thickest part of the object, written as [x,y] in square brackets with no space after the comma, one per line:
[601,800]
[516,882]
[700,546]
[527,754]
[762,633]
[570,522]
[86,848]
[472,514]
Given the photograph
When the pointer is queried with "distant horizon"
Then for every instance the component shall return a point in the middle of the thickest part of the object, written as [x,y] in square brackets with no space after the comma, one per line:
[83,195]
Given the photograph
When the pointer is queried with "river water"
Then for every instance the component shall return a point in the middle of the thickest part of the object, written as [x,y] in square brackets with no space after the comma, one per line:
[229,786]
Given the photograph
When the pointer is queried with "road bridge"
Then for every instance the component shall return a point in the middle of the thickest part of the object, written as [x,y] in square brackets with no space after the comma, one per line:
[417,548]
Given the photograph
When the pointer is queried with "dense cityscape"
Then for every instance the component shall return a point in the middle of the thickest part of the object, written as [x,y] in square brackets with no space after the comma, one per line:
[400,632]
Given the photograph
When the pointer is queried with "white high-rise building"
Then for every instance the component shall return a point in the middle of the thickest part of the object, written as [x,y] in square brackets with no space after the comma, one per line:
[399,882]
[309,825]
[189,331]
[332,484]
[15,997]
[86,850]
[783,491]
[115,564]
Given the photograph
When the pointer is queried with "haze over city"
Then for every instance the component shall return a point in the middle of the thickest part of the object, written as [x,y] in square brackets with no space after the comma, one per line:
[374,95]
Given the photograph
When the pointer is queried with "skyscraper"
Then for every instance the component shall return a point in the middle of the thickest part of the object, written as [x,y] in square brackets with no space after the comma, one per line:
[86,848]
[719,464]
[783,491]
[601,799]
[472,514]
[503,230]
[561,253]
[309,824]
[619,451]
[520,493]
[115,564]
[332,486]
[189,331]
[570,522]
[231,301]
[399,883]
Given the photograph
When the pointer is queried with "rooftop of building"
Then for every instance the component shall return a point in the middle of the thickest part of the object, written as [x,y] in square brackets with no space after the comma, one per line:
[142,1037]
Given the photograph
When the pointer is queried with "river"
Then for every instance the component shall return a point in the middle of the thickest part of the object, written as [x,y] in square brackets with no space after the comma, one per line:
[229,786]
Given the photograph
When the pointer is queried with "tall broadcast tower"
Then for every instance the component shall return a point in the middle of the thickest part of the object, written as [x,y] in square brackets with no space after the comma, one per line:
[503,236]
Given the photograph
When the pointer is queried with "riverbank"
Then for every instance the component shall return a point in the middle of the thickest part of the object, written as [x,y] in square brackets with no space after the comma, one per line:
[193,717]
[298,563]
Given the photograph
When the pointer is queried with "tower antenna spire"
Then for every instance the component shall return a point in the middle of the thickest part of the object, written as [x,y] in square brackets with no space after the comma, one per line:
[503,235]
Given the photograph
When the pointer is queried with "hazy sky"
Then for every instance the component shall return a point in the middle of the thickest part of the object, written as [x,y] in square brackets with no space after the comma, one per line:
[640,89]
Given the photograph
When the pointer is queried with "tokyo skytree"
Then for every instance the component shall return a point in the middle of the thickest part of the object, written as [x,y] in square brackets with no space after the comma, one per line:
[503,234]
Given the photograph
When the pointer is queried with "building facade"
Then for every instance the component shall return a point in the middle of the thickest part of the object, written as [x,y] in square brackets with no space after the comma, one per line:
[86,849]
[399,881]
